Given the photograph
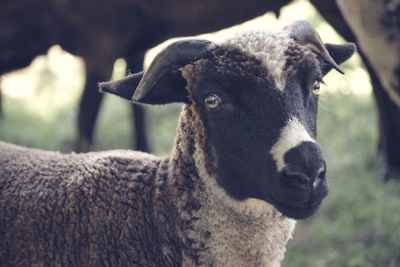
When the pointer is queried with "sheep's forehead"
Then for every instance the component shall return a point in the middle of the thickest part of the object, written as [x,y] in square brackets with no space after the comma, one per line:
[269,48]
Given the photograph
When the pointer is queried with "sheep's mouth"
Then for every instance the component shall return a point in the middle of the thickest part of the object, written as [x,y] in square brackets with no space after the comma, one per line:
[299,203]
[297,211]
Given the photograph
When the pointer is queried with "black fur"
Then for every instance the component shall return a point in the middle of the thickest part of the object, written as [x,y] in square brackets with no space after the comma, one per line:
[248,123]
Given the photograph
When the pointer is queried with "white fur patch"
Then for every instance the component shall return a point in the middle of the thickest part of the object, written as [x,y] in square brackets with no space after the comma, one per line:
[268,47]
[292,135]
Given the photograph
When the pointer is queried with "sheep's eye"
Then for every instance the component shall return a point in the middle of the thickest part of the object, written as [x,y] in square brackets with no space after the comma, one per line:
[213,101]
[315,88]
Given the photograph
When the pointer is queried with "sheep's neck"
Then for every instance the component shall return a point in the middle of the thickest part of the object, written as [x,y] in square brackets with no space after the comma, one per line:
[214,228]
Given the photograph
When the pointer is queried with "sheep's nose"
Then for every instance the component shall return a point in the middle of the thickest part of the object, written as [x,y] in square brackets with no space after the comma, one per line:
[304,165]
[311,178]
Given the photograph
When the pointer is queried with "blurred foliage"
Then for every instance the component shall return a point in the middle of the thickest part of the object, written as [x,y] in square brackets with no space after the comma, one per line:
[358,223]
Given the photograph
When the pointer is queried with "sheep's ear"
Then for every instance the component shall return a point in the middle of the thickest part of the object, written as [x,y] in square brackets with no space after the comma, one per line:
[169,88]
[123,88]
[162,82]
[330,55]
[339,53]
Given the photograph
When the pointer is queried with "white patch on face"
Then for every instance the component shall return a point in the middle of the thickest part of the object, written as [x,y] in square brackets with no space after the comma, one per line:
[292,135]
[268,47]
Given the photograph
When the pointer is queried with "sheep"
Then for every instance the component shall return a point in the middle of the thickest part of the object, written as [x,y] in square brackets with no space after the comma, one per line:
[244,166]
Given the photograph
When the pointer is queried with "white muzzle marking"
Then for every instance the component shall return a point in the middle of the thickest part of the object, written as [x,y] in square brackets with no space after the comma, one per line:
[292,135]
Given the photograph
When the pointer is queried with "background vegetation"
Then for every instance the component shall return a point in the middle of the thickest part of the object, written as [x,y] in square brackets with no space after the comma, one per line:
[357,225]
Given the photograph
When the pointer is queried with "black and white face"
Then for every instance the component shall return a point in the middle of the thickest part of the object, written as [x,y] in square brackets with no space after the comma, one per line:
[263,136]
[257,99]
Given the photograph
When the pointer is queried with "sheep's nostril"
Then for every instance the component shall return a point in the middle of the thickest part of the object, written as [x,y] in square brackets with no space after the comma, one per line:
[294,176]
[319,176]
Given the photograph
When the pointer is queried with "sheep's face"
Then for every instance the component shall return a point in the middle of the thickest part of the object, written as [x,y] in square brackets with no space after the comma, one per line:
[257,97]
[263,136]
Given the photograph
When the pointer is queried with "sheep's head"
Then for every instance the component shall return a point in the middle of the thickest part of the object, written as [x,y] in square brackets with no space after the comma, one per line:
[257,97]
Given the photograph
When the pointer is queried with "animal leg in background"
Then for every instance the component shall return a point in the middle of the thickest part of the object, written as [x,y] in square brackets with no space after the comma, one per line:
[90,104]
[389,130]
